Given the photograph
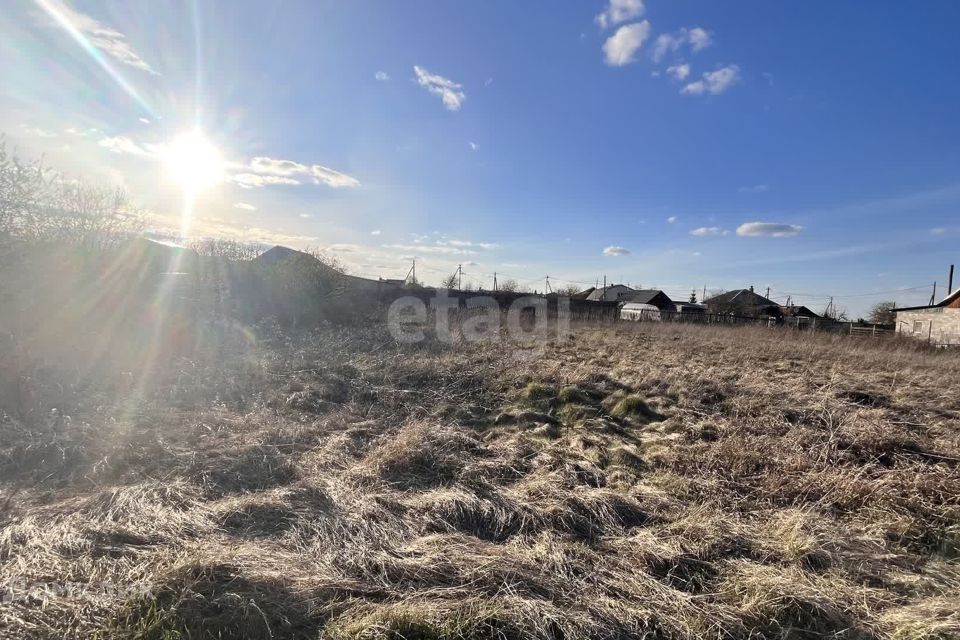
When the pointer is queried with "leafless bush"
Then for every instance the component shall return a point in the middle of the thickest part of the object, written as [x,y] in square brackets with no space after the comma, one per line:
[38,205]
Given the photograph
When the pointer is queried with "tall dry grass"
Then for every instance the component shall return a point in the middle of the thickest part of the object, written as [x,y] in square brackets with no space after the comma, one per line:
[656,481]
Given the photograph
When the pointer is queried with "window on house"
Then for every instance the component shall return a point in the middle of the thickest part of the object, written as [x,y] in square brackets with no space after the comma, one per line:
[917,326]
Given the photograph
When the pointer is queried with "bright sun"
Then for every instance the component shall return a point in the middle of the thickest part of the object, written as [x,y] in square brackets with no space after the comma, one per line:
[193,162]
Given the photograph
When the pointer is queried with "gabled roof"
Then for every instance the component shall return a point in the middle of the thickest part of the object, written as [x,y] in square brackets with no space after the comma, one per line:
[610,292]
[798,310]
[281,254]
[741,297]
[644,296]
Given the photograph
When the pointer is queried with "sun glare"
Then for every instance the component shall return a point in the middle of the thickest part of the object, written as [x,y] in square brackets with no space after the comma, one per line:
[193,162]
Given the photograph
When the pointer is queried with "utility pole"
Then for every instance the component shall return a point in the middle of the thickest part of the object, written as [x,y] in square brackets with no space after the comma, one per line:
[950,282]
[768,293]
[494,280]
[933,296]
[459,277]
[704,298]
[603,296]
[414,269]
[547,288]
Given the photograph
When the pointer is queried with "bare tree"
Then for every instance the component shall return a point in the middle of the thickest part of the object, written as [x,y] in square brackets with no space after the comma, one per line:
[37,205]
[882,313]
[509,286]
[449,282]
[89,214]
[229,249]
[23,191]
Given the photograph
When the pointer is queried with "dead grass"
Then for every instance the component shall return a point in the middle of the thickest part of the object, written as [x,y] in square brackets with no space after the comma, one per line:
[655,481]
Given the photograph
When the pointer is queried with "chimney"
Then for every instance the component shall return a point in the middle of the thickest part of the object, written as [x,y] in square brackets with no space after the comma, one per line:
[751,288]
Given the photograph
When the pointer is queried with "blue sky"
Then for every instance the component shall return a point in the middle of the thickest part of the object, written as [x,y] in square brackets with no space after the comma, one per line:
[637,140]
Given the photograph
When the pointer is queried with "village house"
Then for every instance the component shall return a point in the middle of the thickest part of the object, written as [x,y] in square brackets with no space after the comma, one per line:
[623,293]
[743,302]
[938,324]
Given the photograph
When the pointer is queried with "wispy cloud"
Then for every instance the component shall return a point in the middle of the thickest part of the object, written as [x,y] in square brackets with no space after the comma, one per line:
[769,229]
[37,132]
[672,219]
[273,171]
[621,48]
[707,231]
[450,92]
[331,178]
[468,243]
[938,231]
[382,76]
[123,144]
[714,82]
[756,188]
[473,146]
[615,251]
[431,248]
[106,39]
[679,71]
[253,180]
[245,206]
[618,11]
[375,232]
[696,38]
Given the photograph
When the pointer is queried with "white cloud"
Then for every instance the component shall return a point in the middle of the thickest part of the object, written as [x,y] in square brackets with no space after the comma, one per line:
[679,72]
[772,229]
[375,232]
[37,131]
[756,188]
[698,39]
[450,92]
[244,206]
[672,219]
[109,40]
[305,215]
[273,171]
[144,120]
[707,231]
[714,82]
[619,11]
[615,251]
[272,167]
[938,231]
[382,76]
[468,243]
[123,144]
[620,49]
[473,146]
[430,248]
[331,178]
[253,180]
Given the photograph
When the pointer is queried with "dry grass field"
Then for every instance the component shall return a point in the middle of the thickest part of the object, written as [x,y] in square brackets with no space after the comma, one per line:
[656,481]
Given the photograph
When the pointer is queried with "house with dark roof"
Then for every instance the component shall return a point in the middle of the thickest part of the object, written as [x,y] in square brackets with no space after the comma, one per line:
[611,293]
[652,296]
[797,311]
[938,324]
[623,293]
[743,302]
